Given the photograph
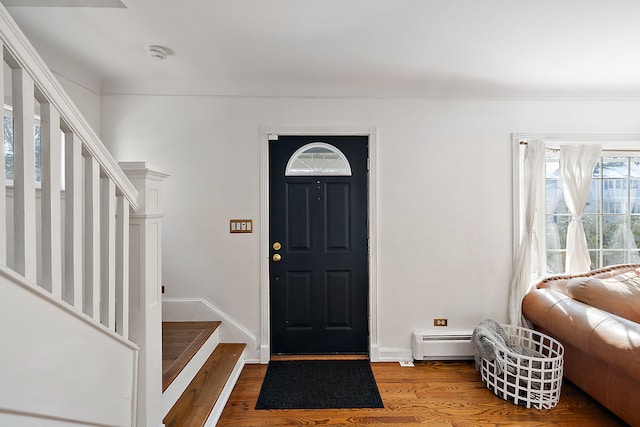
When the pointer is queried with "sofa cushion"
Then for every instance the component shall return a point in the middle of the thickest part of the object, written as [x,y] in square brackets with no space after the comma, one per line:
[619,294]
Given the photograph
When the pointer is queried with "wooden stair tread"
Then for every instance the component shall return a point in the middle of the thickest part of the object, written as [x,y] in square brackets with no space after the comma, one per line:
[196,403]
[180,342]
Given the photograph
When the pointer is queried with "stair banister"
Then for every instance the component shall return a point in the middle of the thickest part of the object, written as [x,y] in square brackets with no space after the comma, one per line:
[73,290]
[24,187]
[19,52]
[122,267]
[3,184]
[100,237]
[89,198]
[107,267]
[71,248]
[50,152]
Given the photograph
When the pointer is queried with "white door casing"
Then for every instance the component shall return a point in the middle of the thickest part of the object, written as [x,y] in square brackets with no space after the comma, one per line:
[269,133]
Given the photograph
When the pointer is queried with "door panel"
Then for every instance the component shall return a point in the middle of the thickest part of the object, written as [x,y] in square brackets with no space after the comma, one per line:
[300,299]
[298,214]
[338,295]
[338,217]
[319,286]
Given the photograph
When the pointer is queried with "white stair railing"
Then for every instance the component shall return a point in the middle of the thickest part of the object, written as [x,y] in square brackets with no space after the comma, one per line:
[67,230]
[78,229]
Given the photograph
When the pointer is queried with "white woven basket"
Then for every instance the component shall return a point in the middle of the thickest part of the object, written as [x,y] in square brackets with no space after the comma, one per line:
[531,381]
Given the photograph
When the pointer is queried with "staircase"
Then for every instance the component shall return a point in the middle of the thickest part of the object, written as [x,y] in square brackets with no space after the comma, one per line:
[198,373]
[80,274]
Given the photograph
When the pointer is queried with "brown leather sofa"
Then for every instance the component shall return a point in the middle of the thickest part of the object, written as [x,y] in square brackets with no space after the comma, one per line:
[602,349]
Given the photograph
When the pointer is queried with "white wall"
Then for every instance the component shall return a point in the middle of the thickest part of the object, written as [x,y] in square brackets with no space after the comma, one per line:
[82,86]
[87,101]
[444,184]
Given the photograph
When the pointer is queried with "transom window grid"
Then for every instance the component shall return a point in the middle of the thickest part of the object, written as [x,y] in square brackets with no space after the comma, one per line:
[611,217]
[318,159]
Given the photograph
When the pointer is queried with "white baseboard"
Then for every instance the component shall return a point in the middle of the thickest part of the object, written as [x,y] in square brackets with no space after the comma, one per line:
[391,354]
[199,310]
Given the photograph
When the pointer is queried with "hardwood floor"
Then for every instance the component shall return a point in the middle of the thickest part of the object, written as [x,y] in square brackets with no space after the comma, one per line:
[435,394]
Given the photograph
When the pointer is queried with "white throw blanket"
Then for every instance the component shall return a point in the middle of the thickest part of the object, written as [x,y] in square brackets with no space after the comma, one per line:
[487,338]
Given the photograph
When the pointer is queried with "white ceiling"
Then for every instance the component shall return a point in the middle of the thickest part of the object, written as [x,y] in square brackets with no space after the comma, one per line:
[379,48]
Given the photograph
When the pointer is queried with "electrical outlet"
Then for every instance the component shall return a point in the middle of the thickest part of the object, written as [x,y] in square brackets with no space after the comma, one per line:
[440,322]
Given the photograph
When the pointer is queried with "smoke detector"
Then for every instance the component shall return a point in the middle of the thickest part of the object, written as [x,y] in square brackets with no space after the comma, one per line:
[157,52]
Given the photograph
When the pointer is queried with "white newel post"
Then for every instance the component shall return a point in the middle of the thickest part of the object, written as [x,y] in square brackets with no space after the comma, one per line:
[145,279]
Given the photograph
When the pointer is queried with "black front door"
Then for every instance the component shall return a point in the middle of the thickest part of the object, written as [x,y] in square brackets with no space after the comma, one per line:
[319,263]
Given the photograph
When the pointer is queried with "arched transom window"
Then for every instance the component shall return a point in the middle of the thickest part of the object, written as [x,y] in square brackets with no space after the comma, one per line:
[318,159]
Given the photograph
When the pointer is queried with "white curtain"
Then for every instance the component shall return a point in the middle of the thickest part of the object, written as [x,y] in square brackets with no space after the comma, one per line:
[576,169]
[533,169]
[622,237]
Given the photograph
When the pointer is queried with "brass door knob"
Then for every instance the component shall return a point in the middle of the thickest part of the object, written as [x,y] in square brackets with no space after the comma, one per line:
[277,246]
[276,257]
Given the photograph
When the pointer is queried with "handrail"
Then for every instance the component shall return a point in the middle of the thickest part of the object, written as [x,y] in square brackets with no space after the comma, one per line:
[83,263]
[23,52]
[69,243]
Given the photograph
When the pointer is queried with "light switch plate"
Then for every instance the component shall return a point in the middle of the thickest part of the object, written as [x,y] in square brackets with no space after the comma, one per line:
[241,226]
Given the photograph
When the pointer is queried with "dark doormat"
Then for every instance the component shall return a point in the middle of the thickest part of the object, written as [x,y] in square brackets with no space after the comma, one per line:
[319,384]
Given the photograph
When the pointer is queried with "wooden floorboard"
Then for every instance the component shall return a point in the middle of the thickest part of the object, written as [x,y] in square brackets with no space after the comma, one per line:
[438,394]
[180,342]
[194,406]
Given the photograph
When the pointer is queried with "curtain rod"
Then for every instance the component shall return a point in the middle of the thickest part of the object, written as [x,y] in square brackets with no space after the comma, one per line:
[612,150]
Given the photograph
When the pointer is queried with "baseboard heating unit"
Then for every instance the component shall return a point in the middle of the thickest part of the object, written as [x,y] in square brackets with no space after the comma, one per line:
[441,346]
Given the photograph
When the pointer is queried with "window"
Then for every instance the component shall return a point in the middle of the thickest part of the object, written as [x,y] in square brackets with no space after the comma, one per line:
[611,216]
[8,145]
[318,158]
